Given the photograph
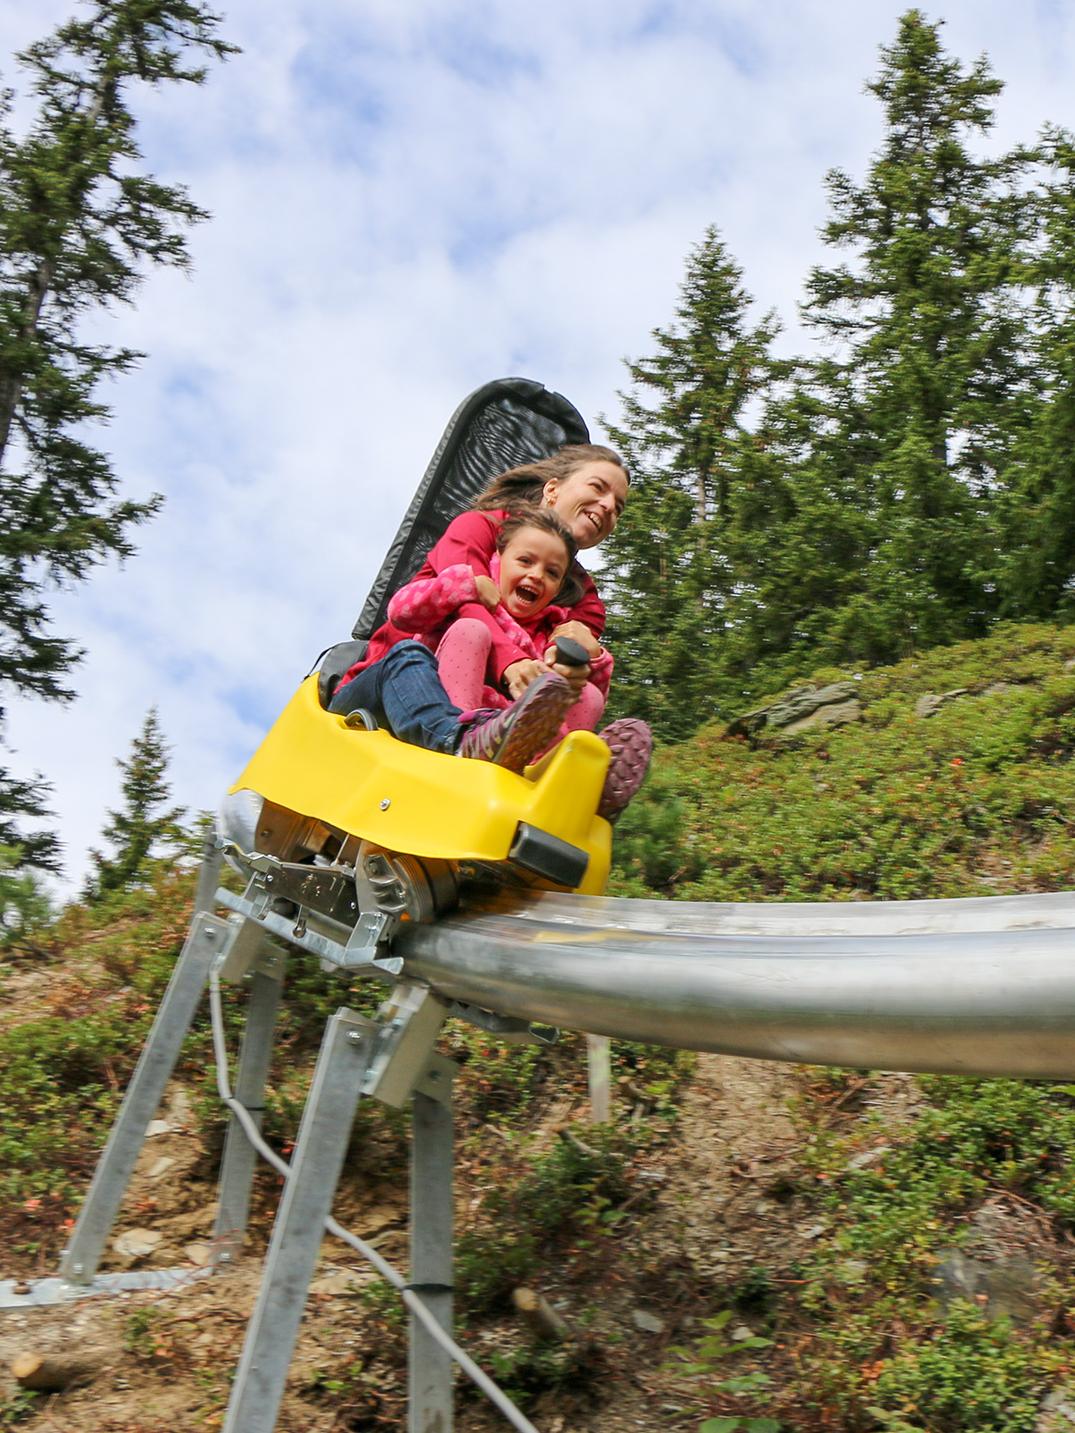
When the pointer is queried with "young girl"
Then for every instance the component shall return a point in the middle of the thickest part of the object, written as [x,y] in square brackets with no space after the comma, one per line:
[528,593]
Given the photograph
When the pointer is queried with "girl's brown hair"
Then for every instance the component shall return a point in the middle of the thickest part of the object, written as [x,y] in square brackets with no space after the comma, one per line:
[545,520]
[525,484]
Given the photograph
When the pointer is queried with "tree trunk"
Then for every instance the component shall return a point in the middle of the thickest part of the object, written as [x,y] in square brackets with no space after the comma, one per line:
[11,389]
[539,1316]
[60,1368]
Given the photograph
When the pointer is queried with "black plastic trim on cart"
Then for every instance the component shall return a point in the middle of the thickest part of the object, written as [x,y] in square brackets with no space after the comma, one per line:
[546,855]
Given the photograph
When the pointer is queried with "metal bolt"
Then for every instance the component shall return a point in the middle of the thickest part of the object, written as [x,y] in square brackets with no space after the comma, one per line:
[77,1268]
[355,1037]
[385,804]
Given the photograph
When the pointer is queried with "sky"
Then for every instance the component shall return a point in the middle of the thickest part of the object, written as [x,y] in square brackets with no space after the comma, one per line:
[410,198]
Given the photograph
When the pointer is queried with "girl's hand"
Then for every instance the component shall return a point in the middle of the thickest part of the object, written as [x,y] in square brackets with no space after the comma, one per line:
[520,674]
[488,592]
[580,633]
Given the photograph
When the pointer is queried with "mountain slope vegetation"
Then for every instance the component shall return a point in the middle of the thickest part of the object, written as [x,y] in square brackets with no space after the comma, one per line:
[744,1246]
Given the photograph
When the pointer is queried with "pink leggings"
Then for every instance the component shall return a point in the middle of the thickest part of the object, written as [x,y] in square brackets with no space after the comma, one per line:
[463,659]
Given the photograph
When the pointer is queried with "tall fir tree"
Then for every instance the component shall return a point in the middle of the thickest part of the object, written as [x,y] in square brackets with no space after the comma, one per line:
[672,559]
[930,380]
[78,225]
[145,826]
[798,542]
[1035,513]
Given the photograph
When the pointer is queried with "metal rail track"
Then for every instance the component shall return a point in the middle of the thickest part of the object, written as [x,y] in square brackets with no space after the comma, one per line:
[976,987]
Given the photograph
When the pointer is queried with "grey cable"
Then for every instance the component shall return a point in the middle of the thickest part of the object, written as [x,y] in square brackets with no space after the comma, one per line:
[413,1302]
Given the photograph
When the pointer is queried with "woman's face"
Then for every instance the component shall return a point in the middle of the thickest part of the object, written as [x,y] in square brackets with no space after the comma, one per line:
[590,500]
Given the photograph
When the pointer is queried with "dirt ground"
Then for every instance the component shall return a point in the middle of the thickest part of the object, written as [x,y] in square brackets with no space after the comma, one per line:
[723,1204]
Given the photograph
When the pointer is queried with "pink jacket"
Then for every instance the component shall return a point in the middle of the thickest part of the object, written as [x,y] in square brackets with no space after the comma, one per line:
[426,607]
[471,539]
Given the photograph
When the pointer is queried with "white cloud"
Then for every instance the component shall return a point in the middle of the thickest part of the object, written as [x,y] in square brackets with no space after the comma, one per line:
[409,199]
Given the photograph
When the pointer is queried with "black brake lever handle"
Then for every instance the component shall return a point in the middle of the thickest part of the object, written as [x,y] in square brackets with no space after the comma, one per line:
[571,653]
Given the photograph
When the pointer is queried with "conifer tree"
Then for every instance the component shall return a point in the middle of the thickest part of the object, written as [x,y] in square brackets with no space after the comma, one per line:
[1035,527]
[78,225]
[672,559]
[146,825]
[930,381]
[799,541]
[24,903]
[20,799]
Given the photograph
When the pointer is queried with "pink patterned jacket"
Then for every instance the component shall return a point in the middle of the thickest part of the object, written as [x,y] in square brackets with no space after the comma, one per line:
[471,538]
[427,606]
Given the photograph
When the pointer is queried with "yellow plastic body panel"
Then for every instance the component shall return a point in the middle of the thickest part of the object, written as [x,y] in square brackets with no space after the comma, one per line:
[421,802]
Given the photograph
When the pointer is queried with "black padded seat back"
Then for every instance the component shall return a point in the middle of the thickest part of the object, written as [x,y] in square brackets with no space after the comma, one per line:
[501,425]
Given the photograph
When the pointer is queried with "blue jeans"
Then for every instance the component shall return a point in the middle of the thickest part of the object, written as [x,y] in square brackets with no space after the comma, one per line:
[403,692]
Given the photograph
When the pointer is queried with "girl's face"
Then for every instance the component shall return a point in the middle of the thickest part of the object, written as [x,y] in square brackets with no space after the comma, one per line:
[532,570]
[590,500]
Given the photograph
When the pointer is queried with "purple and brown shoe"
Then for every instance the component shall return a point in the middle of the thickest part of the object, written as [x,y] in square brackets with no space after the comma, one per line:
[631,742]
[512,737]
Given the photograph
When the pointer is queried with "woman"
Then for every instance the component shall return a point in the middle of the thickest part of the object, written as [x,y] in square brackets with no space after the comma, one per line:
[586,485]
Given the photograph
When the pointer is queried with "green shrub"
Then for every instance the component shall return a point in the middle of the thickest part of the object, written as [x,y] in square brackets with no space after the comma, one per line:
[653,847]
[18,1407]
[974,800]
[870,1280]
[971,1136]
[498,1082]
[529,1368]
[972,1376]
[563,1192]
[710,1370]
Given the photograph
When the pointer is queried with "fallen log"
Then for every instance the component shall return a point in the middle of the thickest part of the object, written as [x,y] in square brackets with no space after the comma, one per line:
[540,1316]
[58,1369]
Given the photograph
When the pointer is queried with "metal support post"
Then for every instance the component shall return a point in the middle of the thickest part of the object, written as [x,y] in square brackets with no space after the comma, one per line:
[411,1018]
[207,939]
[429,1405]
[255,1054]
[599,1068]
[320,1149]
[208,877]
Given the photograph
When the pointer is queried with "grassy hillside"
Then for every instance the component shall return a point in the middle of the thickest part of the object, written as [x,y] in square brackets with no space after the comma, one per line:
[875,1330]
[745,1247]
[975,800]
[536,1200]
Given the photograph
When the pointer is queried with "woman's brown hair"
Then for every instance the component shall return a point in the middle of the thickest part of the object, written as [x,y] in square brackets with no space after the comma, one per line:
[545,520]
[525,483]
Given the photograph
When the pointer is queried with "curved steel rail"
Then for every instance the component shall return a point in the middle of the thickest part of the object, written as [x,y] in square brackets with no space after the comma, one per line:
[981,987]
